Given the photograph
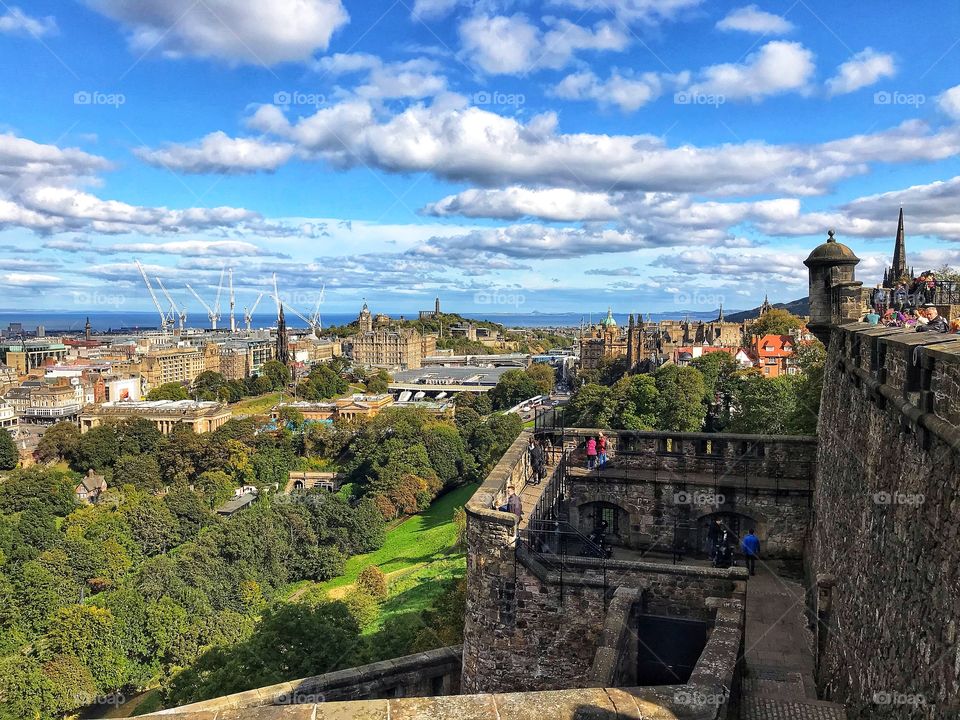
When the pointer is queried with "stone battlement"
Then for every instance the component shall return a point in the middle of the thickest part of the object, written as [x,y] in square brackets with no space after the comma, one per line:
[886,541]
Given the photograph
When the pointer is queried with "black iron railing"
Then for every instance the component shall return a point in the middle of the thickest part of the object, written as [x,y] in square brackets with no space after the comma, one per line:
[943,292]
[554,542]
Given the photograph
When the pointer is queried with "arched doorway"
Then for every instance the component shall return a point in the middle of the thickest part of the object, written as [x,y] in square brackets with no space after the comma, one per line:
[736,524]
[591,514]
[298,485]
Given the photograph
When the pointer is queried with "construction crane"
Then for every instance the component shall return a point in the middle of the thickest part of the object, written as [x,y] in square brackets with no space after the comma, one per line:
[233,324]
[276,294]
[178,312]
[212,312]
[315,317]
[165,321]
[248,315]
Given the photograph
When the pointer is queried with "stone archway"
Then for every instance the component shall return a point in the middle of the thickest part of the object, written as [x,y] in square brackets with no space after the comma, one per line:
[589,512]
[735,522]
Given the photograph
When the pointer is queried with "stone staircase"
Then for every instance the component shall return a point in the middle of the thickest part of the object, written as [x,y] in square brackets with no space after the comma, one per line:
[778,682]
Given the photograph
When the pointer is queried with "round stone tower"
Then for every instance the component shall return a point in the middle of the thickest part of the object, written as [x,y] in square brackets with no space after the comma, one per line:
[831,267]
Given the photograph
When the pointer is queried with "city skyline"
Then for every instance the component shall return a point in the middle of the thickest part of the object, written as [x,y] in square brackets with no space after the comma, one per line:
[644,154]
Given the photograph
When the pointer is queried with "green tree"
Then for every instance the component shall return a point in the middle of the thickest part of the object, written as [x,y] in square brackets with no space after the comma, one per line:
[775,322]
[153,526]
[97,450]
[9,455]
[59,442]
[88,633]
[372,580]
[635,398]
[544,376]
[169,391]
[46,488]
[140,470]
[762,405]
[378,382]
[811,359]
[208,385]
[680,404]
[513,387]
[593,406]
[277,373]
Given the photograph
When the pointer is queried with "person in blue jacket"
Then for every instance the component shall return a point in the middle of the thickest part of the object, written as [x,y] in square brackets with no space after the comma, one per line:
[751,549]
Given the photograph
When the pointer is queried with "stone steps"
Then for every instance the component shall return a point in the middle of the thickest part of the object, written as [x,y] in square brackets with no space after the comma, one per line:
[758,707]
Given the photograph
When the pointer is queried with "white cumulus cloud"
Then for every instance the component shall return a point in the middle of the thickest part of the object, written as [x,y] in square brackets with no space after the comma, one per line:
[16,22]
[219,153]
[777,67]
[754,20]
[261,32]
[949,102]
[862,70]
[511,45]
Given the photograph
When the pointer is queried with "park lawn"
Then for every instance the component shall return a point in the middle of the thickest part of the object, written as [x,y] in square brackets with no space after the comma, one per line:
[258,405]
[418,588]
[423,539]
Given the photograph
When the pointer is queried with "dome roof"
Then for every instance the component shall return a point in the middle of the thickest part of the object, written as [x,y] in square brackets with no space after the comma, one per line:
[831,253]
[608,321]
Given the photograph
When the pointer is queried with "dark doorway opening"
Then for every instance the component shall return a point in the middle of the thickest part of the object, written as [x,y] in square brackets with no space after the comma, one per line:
[668,649]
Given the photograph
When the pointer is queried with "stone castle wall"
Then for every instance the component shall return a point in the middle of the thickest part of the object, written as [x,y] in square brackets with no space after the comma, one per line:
[767,481]
[886,541]
[527,629]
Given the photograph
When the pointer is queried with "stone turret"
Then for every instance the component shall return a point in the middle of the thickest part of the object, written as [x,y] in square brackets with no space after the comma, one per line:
[834,293]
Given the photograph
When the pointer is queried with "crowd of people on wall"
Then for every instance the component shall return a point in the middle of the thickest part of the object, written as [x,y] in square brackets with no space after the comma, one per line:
[910,305]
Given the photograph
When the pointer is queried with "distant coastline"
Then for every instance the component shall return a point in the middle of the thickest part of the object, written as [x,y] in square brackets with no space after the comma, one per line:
[102,321]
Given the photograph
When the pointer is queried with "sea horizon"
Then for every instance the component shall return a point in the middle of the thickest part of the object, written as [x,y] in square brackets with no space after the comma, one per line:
[72,321]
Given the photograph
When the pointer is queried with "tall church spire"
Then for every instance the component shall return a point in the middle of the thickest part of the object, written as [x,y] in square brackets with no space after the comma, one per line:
[900,251]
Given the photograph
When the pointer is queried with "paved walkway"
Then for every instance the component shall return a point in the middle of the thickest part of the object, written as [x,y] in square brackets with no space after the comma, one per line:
[778,683]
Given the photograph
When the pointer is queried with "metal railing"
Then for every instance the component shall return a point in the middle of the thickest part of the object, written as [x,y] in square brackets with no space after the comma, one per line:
[554,542]
[943,292]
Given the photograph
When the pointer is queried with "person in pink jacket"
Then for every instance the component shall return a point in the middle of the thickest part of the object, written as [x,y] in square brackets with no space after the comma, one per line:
[591,453]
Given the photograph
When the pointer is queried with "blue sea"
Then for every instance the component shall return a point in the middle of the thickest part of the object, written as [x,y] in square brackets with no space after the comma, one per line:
[102,321]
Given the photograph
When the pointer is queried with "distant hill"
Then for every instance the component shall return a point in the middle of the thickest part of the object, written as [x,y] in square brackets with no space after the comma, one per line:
[797,307]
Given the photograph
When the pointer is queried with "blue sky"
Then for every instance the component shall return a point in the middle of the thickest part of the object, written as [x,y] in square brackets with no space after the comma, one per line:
[504,155]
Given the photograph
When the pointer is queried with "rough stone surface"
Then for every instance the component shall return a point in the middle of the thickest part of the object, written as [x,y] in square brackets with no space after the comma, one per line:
[887,525]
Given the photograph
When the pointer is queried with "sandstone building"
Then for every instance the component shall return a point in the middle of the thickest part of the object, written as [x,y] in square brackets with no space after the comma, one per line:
[166,415]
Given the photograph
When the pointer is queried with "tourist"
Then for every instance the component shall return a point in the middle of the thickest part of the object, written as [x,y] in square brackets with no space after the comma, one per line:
[591,453]
[714,533]
[879,300]
[900,297]
[872,317]
[513,504]
[536,461]
[602,450]
[751,549]
[935,322]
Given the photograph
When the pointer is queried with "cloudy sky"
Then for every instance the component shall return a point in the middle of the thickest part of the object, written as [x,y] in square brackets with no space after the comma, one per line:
[506,155]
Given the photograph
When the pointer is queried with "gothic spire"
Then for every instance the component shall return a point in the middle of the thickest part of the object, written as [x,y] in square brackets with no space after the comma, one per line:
[900,251]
